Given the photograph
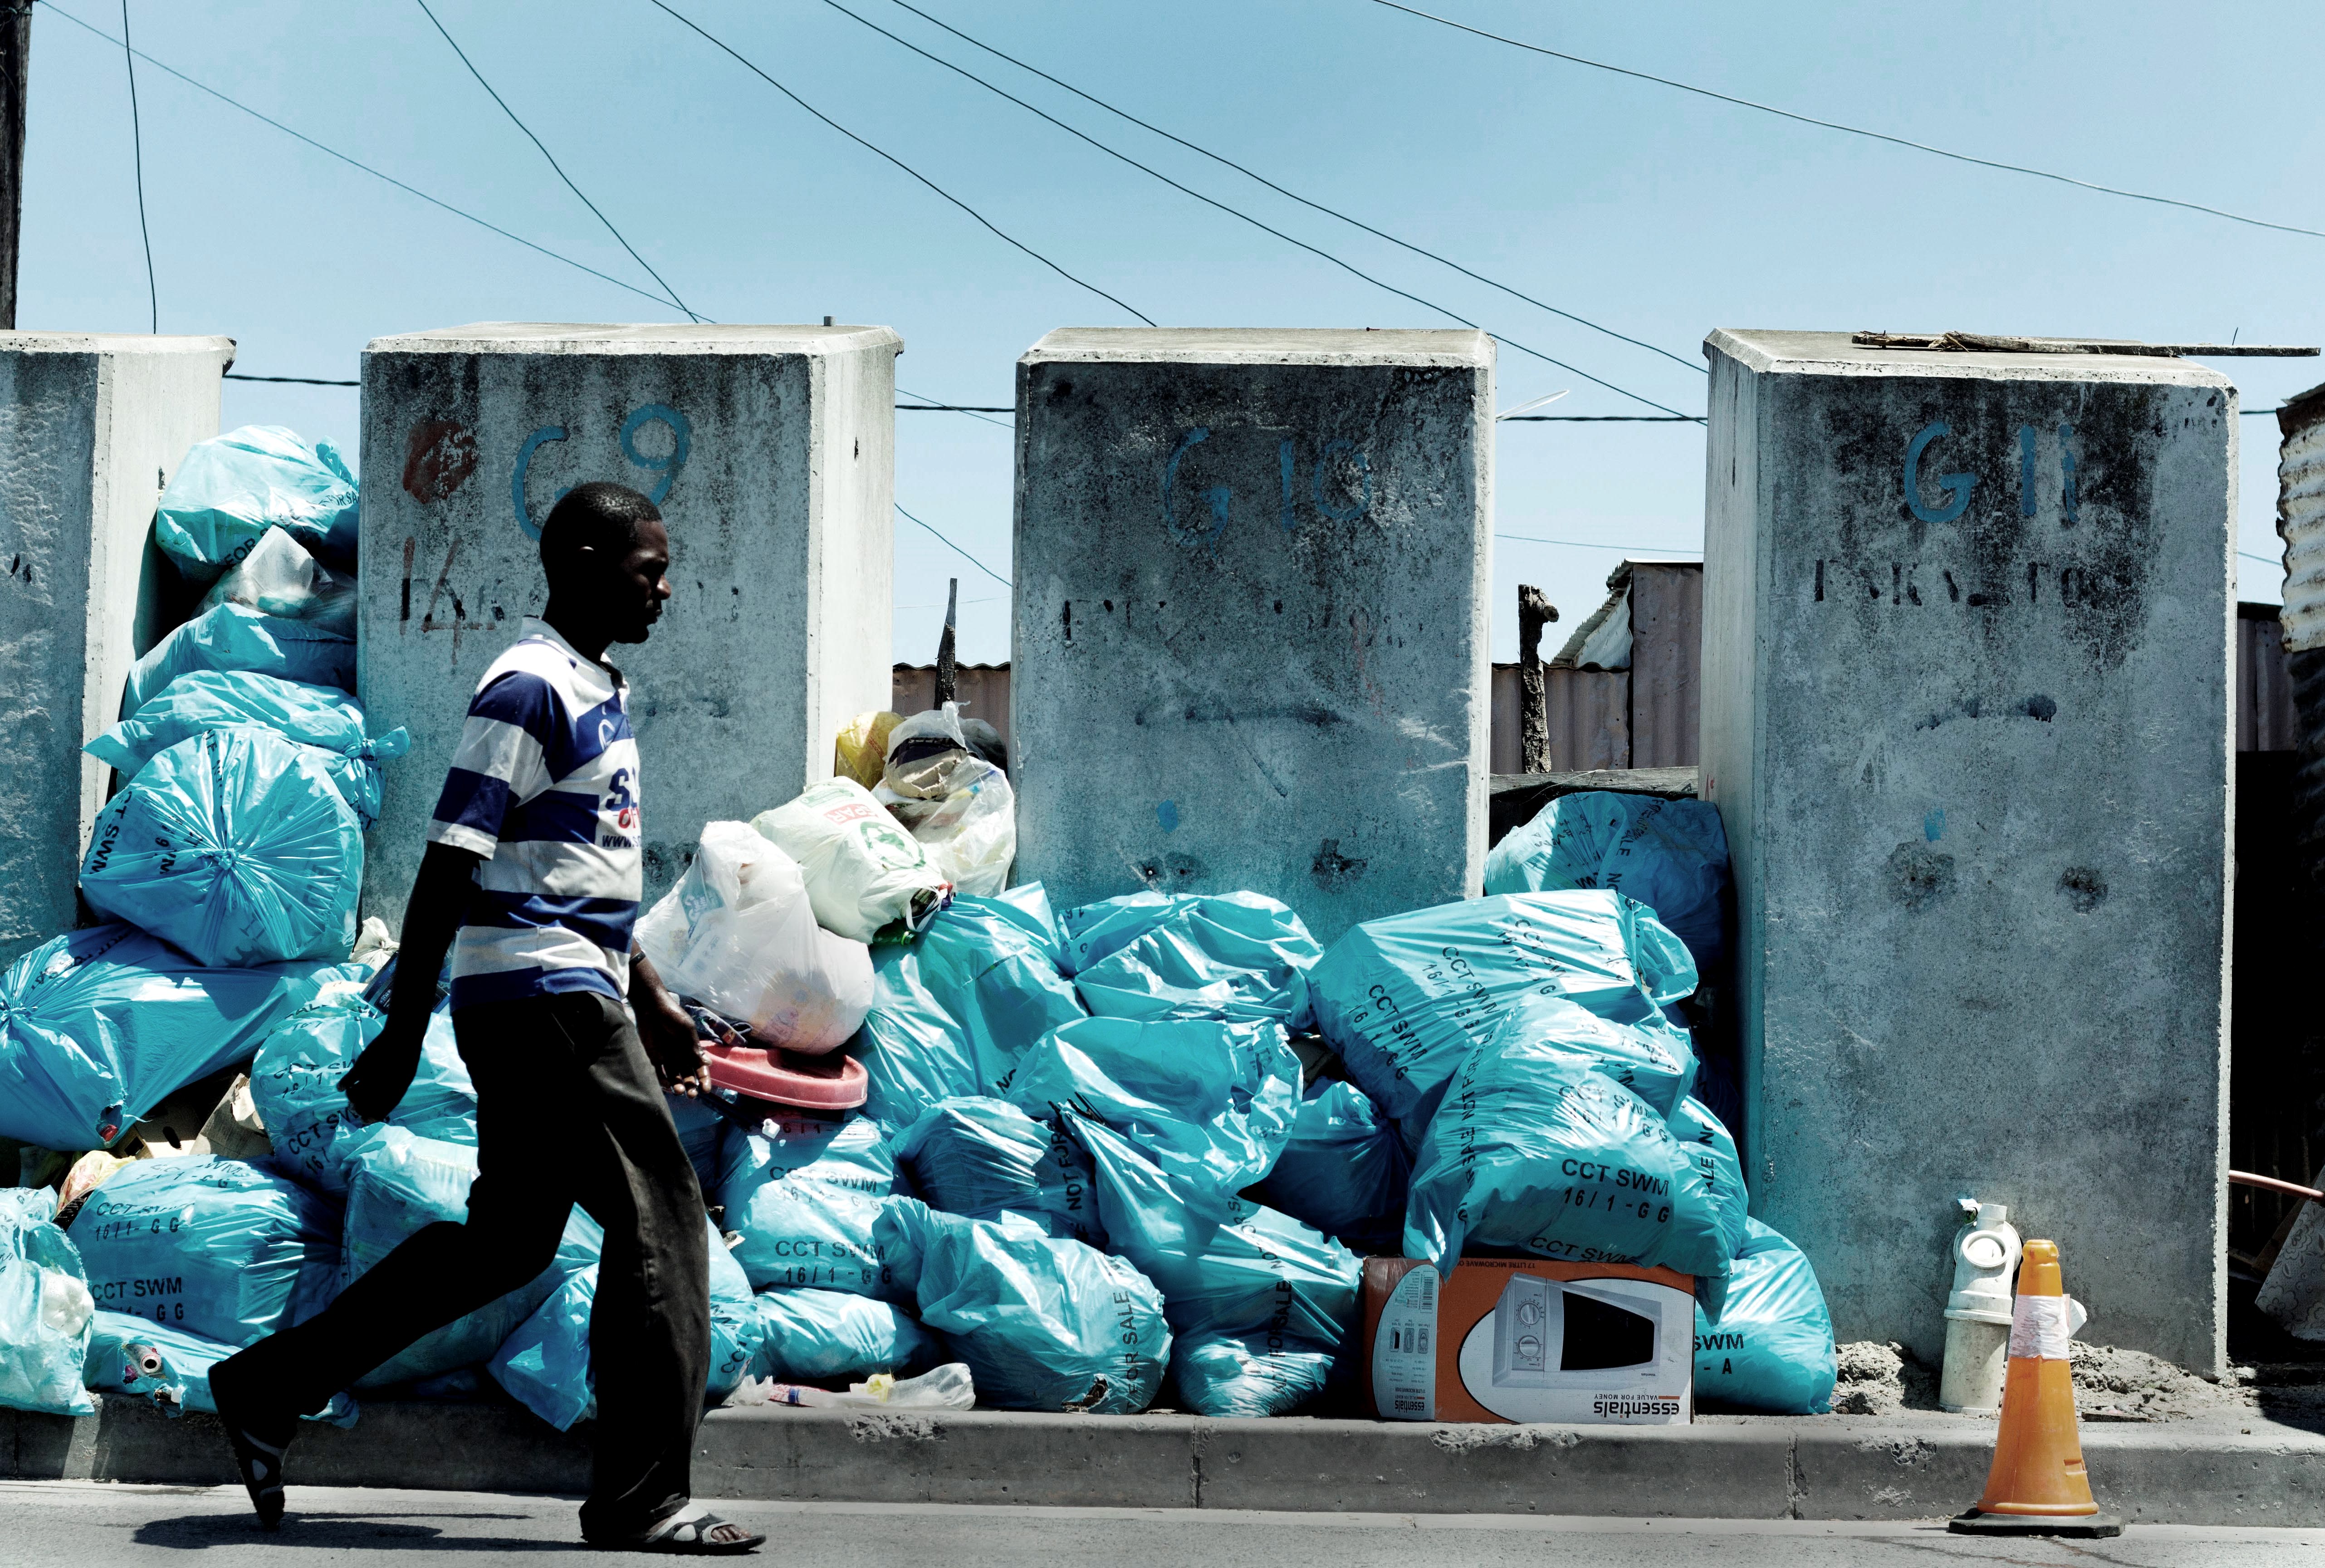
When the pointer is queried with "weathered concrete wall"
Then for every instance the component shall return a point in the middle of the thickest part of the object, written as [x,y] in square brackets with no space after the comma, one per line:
[1251,641]
[91,426]
[1967,718]
[770,451]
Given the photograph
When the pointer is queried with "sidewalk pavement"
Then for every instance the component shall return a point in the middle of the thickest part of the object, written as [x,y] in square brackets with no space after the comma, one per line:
[2241,1469]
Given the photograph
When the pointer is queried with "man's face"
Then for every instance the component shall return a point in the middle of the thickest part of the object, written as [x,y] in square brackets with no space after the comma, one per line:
[638,585]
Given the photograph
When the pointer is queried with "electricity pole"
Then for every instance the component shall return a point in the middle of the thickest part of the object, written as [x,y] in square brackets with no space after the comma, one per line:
[16,52]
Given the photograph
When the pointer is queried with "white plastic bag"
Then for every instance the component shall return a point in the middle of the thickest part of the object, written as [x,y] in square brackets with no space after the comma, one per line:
[279,578]
[738,935]
[958,805]
[948,1387]
[863,870]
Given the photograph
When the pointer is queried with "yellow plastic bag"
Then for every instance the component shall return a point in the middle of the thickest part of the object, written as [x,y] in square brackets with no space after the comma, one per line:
[861,751]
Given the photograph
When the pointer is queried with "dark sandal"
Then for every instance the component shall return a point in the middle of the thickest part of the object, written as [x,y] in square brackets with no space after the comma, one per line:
[258,1446]
[260,1463]
[688,1532]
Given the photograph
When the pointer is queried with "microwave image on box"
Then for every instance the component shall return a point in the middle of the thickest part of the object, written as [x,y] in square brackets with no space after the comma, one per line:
[1551,1347]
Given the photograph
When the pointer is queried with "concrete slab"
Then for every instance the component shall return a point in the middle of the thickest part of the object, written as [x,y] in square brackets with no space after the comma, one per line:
[1968,670]
[91,426]
[771,452]
[2250,1471]
[1251,646]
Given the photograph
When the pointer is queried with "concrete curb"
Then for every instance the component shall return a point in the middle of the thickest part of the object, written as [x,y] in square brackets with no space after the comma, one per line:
[1906,1468]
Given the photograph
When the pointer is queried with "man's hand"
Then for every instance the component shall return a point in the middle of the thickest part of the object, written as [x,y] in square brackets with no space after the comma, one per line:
[378,1081]
[666,1030]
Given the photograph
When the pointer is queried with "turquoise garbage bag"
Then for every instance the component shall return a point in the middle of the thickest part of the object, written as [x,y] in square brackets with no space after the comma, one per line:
[544,1364]
[235,845]
[1240,956]
[326,718]
[1712,1147]
[232,637]
[828,1336]
[101,1026]
[397,1184]
[1405,999]
[811,1224]
[45,1308]
[983,1157]
[1212,1102]
[1043,1323]
[294,1083]
[1245,1284]
[853,1153]
[1772,1348]
[168,1368]
[1671,856]
[1343,1170]
[223,1249]
[953,1010]
[231,489]
[1538,1149]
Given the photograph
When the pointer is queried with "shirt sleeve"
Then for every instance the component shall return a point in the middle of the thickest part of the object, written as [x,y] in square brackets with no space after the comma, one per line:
[500,765]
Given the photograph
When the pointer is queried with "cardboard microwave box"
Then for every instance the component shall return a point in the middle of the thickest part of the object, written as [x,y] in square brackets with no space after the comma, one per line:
[1523,1339]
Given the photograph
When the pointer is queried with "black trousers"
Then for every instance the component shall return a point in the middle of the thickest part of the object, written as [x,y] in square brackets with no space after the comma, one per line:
[568,1110]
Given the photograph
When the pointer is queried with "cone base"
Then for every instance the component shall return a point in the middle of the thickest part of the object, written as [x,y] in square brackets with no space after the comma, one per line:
[2075,1526]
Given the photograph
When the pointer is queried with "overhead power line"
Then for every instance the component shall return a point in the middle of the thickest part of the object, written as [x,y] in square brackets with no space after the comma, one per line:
[1233,212]
[957,549]
[137,153]
[293,380]
[545,152]
[1854,130]
[1290,195]
[352,162]
[1595,545]
[941,190]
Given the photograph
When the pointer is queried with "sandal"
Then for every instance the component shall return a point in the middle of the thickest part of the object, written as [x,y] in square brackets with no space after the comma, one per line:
[258,1449]
[694,1531]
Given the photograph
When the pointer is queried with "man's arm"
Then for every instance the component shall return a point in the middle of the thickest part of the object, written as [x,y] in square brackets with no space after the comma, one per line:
[440,899]
[664,1027]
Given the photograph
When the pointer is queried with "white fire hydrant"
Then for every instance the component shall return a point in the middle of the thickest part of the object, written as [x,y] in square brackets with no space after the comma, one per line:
[1977,1314]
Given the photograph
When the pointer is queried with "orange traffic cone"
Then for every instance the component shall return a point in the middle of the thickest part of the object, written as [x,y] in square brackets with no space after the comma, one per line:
[2038,1485]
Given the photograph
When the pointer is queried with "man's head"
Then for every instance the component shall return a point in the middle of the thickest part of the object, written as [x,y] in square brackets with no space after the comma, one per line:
[606,551]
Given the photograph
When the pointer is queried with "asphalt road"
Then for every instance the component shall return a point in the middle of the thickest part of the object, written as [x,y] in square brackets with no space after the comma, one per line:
[60,1523]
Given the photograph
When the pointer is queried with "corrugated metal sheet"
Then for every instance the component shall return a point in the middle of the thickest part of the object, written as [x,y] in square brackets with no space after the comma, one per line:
[1589,715]
[1666,662]
[982,690]
[2300,519]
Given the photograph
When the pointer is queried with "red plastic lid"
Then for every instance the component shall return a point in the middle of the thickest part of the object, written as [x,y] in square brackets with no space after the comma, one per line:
[832,1083]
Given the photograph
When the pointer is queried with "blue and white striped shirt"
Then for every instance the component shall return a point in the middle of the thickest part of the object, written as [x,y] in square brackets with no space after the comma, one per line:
[545,787]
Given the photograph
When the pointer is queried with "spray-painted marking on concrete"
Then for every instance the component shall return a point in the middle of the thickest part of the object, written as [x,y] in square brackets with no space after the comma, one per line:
[459,622]
[1219,499]
[665,465]
[1900,582]
[1957,486]
[438,460]
[547,433]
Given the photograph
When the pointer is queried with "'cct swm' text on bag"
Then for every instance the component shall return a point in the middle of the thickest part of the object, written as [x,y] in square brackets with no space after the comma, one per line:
[217,1247]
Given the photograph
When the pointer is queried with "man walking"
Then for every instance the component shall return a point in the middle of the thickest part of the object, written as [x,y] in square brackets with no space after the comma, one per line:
[532,865]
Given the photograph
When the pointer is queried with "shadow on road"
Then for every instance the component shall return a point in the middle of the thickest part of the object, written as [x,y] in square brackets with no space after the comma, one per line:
[344,1532]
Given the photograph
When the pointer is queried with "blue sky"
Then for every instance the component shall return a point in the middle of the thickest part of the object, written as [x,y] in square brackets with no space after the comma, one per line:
[1655,213]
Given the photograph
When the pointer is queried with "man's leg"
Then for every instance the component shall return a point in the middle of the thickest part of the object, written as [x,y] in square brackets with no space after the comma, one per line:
[649,1325]
[517,1207]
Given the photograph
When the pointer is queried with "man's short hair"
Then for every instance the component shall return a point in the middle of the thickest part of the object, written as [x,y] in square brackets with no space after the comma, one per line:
[598,515]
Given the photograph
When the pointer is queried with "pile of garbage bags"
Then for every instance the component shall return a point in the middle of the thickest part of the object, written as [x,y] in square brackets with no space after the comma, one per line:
[956,1144]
